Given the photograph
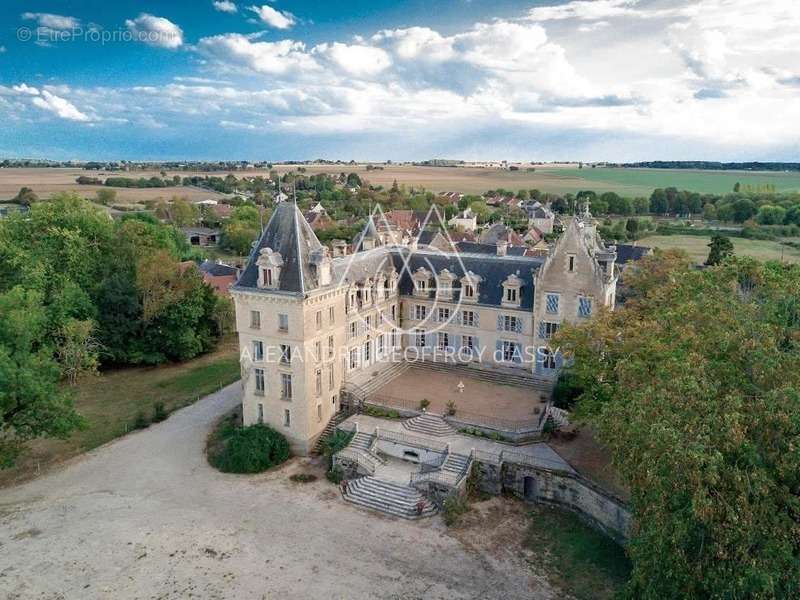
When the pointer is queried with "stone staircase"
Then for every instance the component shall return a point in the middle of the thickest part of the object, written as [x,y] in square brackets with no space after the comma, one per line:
[429,424]
[498,375]
[330,428]
[388,497]
[374,380]
[455,464]
[362,446]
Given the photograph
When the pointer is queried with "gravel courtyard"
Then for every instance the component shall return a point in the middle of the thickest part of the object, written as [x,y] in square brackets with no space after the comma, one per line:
[146,517]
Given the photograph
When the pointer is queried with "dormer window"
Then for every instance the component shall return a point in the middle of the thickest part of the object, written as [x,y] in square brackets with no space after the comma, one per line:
[469,287]
[421,278]
[444,286]
[512,291]
[269,268]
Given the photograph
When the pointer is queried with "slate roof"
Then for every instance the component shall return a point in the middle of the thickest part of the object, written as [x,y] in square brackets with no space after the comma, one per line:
[493,270]
[478,248]
[217,269]
[628,253]
[499,231]
[288,233]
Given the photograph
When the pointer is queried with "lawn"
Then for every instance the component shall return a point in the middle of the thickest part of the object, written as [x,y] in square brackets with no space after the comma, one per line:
[111,402]
[580,560]
[697,247]
[641,182]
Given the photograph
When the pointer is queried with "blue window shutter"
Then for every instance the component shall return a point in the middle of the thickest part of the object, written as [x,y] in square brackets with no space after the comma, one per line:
[430,341]
[541,329]
[477,319]
[517,353]
[476,344]
[518,326]
[499,322]
[456,342]
[498,346]
[457,318]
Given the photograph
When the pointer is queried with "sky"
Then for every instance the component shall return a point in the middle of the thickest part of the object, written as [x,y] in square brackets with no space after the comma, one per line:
[591,80]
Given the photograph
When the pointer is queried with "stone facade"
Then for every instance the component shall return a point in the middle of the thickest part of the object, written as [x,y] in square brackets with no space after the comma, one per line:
[308,323]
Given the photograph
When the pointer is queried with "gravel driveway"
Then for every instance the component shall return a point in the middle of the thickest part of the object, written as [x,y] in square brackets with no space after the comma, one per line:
[146,517]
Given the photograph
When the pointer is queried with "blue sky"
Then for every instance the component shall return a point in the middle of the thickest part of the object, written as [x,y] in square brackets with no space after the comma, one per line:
[542,80]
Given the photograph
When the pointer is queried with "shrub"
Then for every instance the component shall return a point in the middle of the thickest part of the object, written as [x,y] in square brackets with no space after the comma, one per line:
[335,475]
[455,507]
[159,412]
[451,407]
[379,411]
[141,421]
[566,391]
[249,449]
[303,477]
[424,403]
[338,440]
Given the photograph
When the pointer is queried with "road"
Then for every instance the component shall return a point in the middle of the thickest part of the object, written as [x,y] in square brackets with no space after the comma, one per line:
[146,517]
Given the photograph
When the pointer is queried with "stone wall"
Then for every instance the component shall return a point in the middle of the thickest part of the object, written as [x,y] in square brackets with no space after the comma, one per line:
[559,488]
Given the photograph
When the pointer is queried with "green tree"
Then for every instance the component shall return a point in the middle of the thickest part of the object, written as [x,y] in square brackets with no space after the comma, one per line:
[106,196]
[720,248]
[693,386]
[771,215]
[32,404]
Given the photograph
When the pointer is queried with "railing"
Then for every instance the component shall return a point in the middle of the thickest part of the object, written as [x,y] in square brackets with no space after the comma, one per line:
[490,422]
[411,440]
[361,459]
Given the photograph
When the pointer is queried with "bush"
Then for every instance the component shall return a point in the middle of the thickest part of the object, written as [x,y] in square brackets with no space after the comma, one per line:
[159,412]
[141,421]
[335,475]
[303,477]
[455,507]
[379,411]
[424,403]
[451,407]
[566,391]
[249,449]
[338,440]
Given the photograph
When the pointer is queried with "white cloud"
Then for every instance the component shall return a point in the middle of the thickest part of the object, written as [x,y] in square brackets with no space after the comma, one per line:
[24,88]
[59,106]
[269,58]
[358,60]
[225,6]
[51,21]
[273,18]
[155,31]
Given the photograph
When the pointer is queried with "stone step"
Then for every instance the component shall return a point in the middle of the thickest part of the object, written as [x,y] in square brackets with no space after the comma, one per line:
[388,497]
[501,377]
[362,442]
[429,424]
[369,385]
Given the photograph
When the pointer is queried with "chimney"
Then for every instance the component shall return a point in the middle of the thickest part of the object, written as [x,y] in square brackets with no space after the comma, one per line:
[502,247]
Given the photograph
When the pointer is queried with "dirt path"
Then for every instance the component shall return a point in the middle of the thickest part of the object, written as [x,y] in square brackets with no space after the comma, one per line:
[146,517]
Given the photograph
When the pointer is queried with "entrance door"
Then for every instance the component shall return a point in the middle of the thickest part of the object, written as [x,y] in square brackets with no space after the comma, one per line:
[529,488]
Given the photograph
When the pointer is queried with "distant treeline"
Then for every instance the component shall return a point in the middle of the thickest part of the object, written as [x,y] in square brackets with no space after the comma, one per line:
[711,166]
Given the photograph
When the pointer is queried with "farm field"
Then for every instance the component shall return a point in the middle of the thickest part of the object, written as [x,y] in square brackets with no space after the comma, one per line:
[641,182]
[697,247]
[469,180]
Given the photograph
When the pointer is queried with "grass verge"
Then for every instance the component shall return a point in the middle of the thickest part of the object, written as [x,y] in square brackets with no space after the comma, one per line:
[113,402]
[581,560]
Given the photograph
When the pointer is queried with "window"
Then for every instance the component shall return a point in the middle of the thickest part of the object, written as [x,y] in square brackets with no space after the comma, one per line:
[511,294]
[422,285]
[420,312]
[353,330]
[286,386]
[510,352]
[420,338]
[571,263]
[584,306]
[331,315]
[330,378]
[547,329]
[394,313]
[260,413]
[286,354]
[287,418]
[468,343]
[267,277]
[318,382]
[318,350]
[367,349]
[381,345]
[469,290]
[255,319]
[330,346]
[368,322]
[444,315]
[319,320]
[394,339]
[548,359]
[551,303]
[258,350]
[319,413]
[354,358]
[511,323]
[283,322]
[469,318]
[259,373]
[443,341]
